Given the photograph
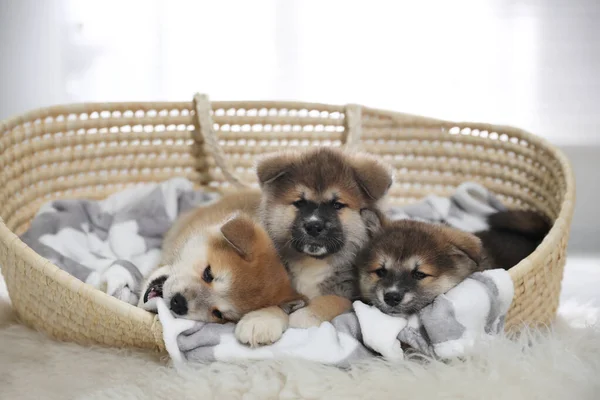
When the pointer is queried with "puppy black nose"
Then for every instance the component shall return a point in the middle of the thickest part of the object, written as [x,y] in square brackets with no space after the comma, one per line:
[392,299]
[179,304]
[314,228]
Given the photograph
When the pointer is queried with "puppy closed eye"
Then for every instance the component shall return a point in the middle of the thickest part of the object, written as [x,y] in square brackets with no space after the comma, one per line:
[337,205]
[418,275]
[300,203]
[217,314]
[207,275]
[380,272]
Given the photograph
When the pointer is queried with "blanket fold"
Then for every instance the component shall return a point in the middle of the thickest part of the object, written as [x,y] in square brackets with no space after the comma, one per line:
[113,244]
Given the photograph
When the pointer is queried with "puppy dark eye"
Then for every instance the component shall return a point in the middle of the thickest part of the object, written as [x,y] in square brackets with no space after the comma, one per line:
[380,272]
[217,314]
[418,275]
[337,205]
[207,275]
[299,203]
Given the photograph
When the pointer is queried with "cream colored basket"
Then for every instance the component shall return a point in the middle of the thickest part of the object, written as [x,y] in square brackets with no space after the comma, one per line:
[93,150]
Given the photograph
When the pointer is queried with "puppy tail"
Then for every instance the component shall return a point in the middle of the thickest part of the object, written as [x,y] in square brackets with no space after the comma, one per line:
[525,223]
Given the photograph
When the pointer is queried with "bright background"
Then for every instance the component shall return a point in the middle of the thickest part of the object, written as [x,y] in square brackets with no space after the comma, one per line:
[533,64]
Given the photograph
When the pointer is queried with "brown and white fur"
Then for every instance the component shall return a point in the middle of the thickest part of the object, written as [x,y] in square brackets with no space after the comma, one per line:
[410,263]
[218,265]
[311,208]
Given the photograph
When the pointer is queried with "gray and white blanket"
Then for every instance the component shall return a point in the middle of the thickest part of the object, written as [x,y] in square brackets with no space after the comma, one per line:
[114,243]
[450,327]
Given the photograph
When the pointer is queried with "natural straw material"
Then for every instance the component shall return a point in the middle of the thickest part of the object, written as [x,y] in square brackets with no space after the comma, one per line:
[93,150]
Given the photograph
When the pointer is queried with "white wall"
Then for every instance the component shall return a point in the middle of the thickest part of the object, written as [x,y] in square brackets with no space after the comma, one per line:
[526,63]
[32,64]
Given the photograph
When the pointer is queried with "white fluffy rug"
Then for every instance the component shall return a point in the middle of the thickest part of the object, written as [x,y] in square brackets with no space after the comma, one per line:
[561,364]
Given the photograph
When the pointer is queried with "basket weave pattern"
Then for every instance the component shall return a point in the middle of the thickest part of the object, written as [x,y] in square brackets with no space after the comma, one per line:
[93,150]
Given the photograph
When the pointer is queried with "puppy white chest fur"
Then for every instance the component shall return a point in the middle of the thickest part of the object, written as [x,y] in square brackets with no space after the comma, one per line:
[308,274]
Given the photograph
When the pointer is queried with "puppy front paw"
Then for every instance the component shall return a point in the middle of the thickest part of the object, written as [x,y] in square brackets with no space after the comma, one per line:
[124,293]
[261,327]
[118,281]
[304,318]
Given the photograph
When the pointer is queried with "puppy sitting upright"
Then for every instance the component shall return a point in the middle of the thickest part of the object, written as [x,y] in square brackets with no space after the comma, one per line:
[311,207]
[409,263]
[219,265]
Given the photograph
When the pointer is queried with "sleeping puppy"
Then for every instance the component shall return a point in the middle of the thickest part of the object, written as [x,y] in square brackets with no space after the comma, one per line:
[410,263]
[219,265]
[311,208]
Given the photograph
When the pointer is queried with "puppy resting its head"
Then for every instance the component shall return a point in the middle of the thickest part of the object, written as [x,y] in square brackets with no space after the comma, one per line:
[219,264]
[409,263]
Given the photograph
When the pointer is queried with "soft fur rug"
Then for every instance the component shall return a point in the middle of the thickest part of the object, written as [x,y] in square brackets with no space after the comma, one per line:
[563,363]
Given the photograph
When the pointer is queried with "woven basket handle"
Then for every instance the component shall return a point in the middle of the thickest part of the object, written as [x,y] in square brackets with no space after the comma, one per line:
[205,127]
[353,126]
[353,133]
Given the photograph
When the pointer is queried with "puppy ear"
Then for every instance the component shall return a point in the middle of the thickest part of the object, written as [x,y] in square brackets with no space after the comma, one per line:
[373,177]
[465,244]
[272,167]
[373,220]
[240,233]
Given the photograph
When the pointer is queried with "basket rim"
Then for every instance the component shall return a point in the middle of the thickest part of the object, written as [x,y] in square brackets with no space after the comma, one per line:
[89,107]
[560,227]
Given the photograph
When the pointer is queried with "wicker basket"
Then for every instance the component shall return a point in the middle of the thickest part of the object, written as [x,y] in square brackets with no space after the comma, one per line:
[93,150]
